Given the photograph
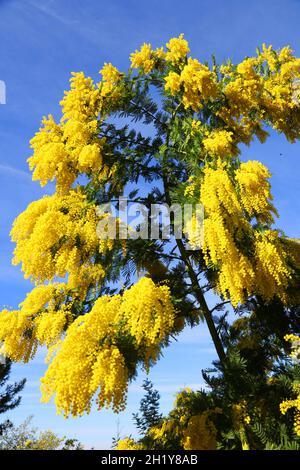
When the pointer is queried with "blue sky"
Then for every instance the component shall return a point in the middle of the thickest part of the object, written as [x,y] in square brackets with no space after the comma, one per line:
[41,42]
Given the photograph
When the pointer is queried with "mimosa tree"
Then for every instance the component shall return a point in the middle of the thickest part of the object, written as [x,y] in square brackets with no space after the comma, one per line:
[168,131]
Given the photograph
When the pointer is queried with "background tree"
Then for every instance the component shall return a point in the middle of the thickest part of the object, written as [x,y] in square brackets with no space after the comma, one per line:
[26,437]
[149,414]
[9,397]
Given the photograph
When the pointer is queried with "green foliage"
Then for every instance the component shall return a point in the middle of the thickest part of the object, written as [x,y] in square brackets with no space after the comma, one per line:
[26,437]
[149,409]
[9,398]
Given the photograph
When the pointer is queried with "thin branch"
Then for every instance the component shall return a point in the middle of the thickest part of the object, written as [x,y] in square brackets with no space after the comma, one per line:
[218,306]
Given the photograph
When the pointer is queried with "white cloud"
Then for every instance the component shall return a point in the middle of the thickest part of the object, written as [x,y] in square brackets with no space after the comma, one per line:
[14,172]
[47,10]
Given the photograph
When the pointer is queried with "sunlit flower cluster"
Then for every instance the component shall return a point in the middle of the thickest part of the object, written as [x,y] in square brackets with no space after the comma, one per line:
[220,144]
[146,58]
[41,320]
[253,97]
[128,444]
[89,360]
[294,404]
[63,151]
[266,270]
[178,49]
[82,364]
[111,77]
[149,313]
[252,178]
[18,344]
[198,83]
[56,236]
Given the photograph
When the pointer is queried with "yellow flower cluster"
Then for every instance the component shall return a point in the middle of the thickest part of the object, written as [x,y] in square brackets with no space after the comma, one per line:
[178,49]
[295,340]
[293,404]
[200,433]
[225,227]
[148,311]
[247,68]
[111,78]
[218,192]
[198,82]
[195,126]
[240,414]
[192,186]
[241,96]
[240,419]
[51,159]
[236,275]
[194,232]
[146,58]
[88,359]
[161,431]
[50,325]
[247,97]
[272,271]
[49,315]
[143,59]
[56,236]
[42,295]
[219,143]
[82,364]
[62,151]
[41,320]
[173,82]
[252,178]
[128,444]
[81,102]
[15,327]
[253,97]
